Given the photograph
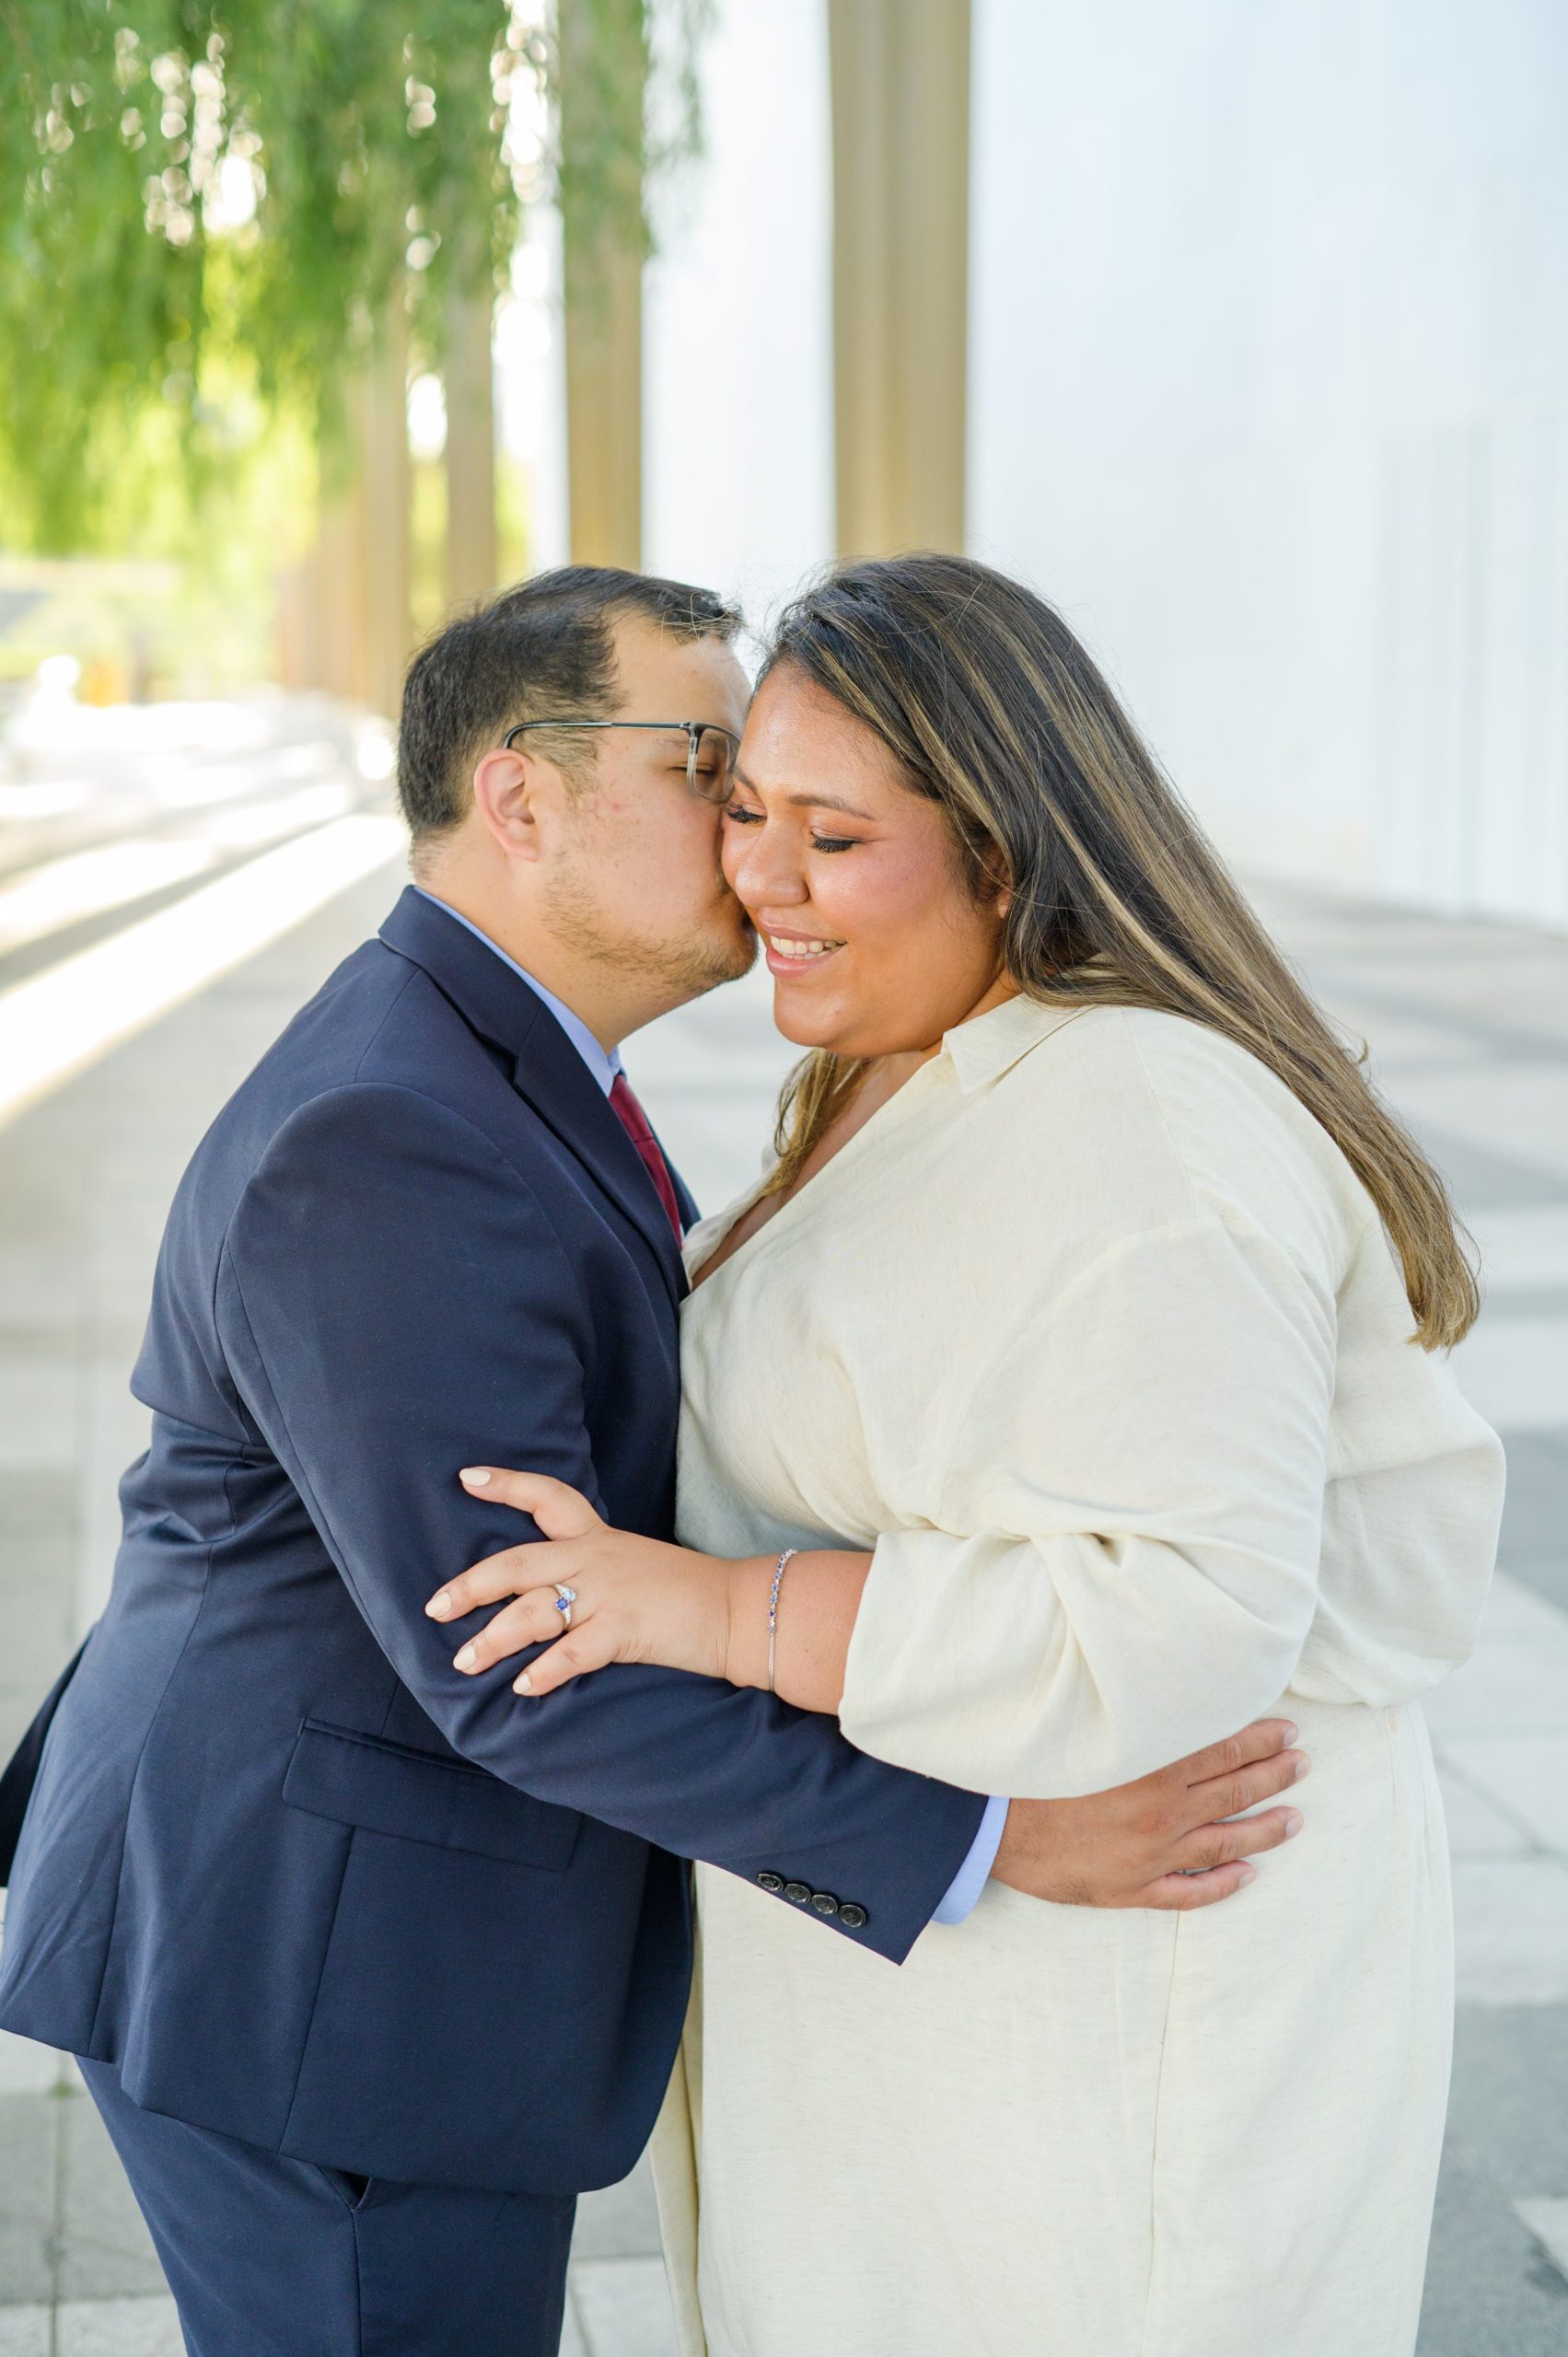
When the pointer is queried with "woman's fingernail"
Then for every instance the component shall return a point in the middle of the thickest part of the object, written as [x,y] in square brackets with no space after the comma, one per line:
[1303,1767]
[1293,1826]
[1248,1873]
[465,1660]
[1290,1733]
[523,1685]
[476,1476]
[440,1607]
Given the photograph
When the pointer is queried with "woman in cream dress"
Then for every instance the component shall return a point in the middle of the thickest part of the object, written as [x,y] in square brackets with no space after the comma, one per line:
[1087,1343]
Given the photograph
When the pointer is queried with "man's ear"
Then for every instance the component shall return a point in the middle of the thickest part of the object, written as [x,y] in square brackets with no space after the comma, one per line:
[506,797]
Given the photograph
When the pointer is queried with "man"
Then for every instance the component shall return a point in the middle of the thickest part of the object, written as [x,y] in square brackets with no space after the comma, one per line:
[371,1966]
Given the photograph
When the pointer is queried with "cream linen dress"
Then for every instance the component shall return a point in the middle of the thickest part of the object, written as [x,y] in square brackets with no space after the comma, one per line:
[1093,1336]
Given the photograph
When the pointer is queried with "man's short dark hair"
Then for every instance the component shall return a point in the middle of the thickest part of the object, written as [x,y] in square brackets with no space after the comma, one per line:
[543,648]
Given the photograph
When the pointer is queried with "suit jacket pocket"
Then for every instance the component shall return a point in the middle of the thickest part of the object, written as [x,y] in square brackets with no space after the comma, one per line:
[362,1780]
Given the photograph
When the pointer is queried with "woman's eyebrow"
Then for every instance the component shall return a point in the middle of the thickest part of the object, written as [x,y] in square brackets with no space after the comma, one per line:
[810,801]
[826,801]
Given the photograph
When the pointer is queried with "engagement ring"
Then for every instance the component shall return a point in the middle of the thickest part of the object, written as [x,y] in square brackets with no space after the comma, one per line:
[564,1599]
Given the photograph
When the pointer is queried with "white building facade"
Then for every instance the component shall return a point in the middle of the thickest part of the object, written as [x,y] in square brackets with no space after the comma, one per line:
[1268,371]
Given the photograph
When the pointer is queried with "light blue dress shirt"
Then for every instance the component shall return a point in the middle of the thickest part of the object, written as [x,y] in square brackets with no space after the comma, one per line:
[605,1065]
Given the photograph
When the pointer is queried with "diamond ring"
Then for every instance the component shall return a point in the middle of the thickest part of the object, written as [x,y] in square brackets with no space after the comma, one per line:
[564,1599]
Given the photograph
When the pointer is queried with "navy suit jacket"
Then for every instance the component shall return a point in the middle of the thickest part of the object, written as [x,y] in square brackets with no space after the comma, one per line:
[296,1878]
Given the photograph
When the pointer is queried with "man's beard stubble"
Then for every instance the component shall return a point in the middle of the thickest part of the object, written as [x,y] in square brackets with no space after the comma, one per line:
[698,963]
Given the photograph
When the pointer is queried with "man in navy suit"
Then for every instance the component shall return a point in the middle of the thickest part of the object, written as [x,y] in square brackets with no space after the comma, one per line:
[371,1966]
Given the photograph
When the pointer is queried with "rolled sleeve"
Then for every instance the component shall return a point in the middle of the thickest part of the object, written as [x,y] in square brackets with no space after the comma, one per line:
[1120,1560]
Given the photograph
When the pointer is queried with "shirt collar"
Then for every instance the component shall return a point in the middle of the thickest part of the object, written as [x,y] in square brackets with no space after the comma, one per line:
[602,1061]
[985,1047]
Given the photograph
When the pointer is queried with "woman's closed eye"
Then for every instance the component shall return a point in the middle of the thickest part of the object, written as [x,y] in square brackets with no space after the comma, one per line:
[738,817]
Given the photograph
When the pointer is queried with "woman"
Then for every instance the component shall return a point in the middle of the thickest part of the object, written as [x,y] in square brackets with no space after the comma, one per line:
[1087,1343]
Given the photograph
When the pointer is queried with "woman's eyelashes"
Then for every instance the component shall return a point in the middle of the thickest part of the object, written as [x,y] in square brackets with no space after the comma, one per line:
[740,816]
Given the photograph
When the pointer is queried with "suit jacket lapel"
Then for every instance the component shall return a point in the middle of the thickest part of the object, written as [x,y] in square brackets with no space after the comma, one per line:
[547,1069]
[553,1076]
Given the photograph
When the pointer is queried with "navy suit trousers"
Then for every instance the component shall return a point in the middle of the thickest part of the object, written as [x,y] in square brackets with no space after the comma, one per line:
[273,2258]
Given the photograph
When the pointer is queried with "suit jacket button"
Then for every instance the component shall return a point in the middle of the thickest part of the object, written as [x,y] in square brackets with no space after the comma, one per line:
[824,1902]
[771,1882]
[851,1916]
[797,1893]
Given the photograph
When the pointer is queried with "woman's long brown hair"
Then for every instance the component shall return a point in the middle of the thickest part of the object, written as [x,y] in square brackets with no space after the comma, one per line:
[995,710]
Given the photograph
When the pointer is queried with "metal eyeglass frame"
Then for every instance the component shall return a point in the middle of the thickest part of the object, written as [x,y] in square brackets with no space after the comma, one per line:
[695,730]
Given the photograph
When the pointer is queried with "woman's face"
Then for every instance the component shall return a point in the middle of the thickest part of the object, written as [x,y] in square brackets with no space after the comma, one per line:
[875,940]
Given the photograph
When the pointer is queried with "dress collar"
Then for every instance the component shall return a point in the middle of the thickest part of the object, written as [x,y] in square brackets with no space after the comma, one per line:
[985,1047]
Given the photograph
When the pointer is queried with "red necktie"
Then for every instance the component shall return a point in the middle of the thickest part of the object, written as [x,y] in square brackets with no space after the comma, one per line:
[635,1121]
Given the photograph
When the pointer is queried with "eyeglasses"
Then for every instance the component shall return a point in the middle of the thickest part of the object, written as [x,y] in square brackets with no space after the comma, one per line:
[711,751]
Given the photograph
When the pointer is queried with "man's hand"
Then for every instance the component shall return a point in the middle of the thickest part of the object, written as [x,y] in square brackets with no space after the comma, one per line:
[1173,1839]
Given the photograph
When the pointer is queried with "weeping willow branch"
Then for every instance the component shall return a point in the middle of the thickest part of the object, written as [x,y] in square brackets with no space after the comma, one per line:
[205,192]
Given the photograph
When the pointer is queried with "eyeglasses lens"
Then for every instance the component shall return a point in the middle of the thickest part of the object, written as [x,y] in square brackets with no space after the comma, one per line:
[712,765]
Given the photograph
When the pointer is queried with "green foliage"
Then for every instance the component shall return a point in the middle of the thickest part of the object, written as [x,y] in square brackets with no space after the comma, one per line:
[623,73]
[207,208]
[197,189]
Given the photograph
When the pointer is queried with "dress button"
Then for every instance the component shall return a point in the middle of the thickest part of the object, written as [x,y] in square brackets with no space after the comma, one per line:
[851,1916]
[824,1902]
[797,1893]
[769,1882]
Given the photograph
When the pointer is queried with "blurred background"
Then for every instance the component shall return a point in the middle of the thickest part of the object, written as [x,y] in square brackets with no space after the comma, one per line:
[1239,329]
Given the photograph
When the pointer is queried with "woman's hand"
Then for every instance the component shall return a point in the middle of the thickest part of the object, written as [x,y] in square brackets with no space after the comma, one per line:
[637,1599]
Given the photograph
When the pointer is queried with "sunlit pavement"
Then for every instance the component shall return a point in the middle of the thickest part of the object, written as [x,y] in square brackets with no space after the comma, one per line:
[1468,1026]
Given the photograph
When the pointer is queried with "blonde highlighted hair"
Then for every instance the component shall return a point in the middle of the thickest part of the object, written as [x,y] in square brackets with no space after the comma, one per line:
[995,710]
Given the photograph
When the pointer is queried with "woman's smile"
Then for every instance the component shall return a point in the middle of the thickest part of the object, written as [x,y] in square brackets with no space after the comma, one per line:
[791,955]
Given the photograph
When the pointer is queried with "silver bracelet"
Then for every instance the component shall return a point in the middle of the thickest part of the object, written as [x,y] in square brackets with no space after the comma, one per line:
[780,1568]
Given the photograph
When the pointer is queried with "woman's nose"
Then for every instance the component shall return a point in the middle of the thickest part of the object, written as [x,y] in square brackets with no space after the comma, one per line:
[763,872]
